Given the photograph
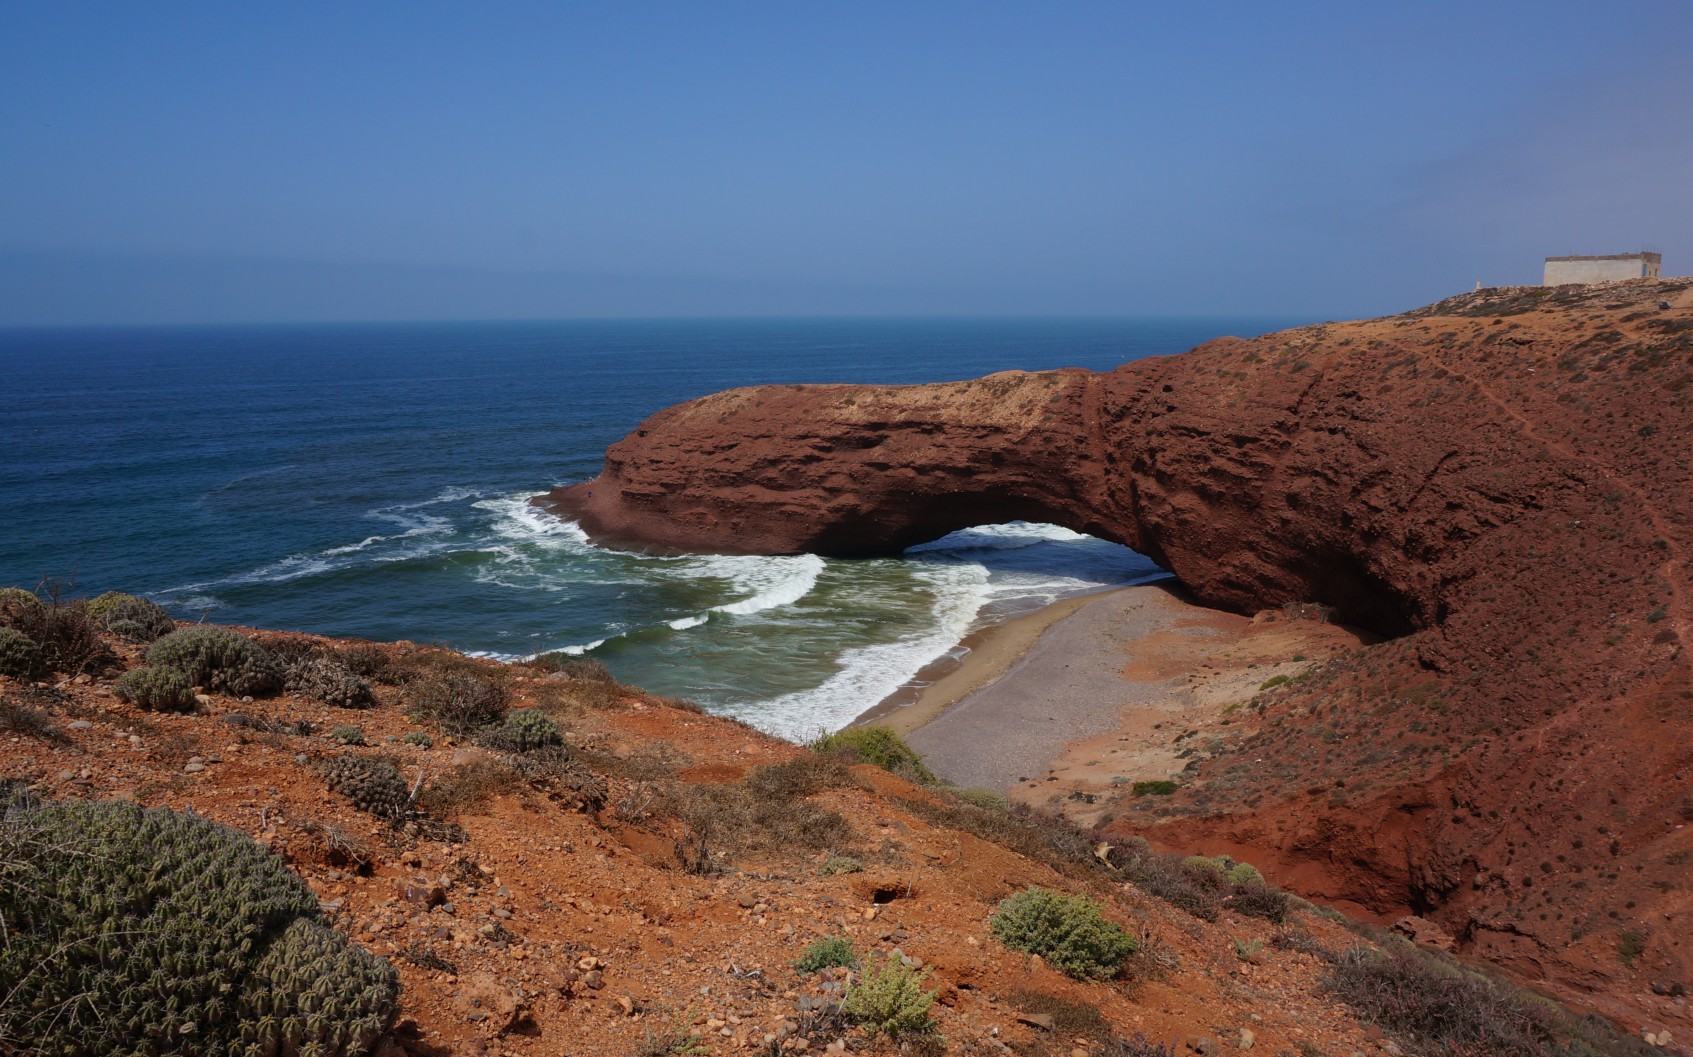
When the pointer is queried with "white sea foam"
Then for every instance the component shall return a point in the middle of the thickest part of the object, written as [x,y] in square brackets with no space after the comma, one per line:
[1009,536]
[517,519]
[774,582]
[684,623]
[868,674]
[577,651]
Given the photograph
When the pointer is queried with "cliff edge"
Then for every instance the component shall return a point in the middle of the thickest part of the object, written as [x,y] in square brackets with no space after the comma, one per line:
[1499,483]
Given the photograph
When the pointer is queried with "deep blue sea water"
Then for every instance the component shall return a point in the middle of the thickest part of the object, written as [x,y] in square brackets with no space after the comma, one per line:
[371,481]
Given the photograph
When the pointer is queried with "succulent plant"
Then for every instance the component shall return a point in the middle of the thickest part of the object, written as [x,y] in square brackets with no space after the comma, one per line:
[156,689]
[218,659]
[347,734]
[136,930]
[524,730]
[20,657]
[131,618]
[328,679]
[374,786]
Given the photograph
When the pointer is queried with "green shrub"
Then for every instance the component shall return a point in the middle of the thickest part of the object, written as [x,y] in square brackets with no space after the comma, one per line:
[525,730]
[218,659]
[1226,869]
[156,689]
[347,735]
[880,746]
[1068,931]
[17,605]
[133,930]
[1156,787]
[888,996]
[20,656]
[840,864]
[1630,945]
[458,702]
[986,799]
[131,618]
[420,738]
[374,786]
[328,679]
[828,953]
[1274,681]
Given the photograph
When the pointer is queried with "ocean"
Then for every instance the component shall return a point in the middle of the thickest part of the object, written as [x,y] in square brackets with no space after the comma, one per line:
[373,480]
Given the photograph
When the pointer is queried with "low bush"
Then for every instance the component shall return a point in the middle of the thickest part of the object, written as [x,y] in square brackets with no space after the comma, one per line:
[218,659]
[327,678]
[733,817]
[986,799]
[133,930]
[828,953]
[420,738]
[18,605]
[1225,869]
[1155,787]
[1068,1018]
[1447,1009]
[1198,892]
[20,655]
[68,638]
[131,618]
[585,669]
[1260,901]
[840,864]
[374,786]
[1068,931]
[457,702]
[879,746]
[1047,838]
[347,735]
[800,778]
[156,689]
[372,662]
[524,730]
[471,787]
[888,996]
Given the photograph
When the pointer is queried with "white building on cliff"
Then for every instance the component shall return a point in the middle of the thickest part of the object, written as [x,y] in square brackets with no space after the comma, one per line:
[1561,270]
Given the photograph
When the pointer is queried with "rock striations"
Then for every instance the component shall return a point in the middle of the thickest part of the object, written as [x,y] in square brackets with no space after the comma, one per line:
[1500,484]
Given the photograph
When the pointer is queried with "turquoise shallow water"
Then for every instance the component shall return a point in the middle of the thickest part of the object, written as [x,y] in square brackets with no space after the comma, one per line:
[372,480]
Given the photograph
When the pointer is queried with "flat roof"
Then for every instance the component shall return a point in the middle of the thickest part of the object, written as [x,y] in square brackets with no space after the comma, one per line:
[1615,257]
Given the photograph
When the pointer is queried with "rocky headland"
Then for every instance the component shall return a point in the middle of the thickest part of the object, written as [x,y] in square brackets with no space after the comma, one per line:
[1497,485]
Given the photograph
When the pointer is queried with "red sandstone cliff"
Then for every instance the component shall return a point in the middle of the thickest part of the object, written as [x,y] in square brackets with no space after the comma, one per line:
[1501,481]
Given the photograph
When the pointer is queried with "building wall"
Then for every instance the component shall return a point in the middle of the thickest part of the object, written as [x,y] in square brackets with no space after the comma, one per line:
[1598,269]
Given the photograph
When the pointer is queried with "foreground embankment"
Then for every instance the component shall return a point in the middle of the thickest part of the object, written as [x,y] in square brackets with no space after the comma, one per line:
[544,861]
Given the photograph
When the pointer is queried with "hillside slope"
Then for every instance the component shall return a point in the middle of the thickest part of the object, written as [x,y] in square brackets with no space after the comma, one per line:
[647,885]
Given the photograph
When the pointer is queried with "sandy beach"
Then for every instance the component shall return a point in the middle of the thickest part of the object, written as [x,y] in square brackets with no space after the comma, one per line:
[1069,706]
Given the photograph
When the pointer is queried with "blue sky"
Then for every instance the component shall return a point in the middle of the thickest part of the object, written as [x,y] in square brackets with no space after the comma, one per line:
[176,162]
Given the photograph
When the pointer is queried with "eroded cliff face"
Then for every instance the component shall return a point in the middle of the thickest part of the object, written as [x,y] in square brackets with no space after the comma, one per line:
[1500,481]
